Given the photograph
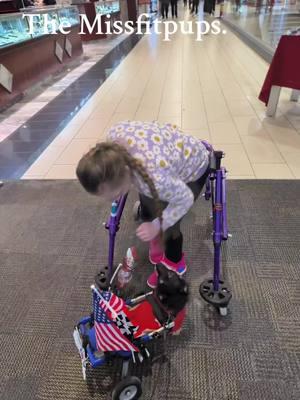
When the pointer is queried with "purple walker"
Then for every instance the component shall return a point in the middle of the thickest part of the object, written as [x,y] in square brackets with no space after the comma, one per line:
[214,291]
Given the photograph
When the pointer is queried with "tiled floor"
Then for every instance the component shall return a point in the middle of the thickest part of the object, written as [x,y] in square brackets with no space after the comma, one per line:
[23,146]
[12,118]
[210,89]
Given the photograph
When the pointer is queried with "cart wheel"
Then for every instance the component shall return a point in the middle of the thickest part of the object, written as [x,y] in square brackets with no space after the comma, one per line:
[130,388]
[137,211]
[223,311]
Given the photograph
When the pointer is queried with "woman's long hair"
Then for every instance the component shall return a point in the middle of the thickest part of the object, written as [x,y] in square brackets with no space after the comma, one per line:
[105,163]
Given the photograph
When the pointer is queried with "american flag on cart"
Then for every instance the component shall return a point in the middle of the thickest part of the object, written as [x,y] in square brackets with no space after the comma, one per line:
[111,330]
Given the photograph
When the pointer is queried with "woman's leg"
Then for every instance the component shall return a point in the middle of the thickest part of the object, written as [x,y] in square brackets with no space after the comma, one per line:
[173,8]
[167,10]
[162,10]
[197,186]
[173,238]
[147,208]
[171,256]
[148,213]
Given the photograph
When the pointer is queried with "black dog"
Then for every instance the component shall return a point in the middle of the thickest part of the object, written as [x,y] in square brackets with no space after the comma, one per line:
[172,291]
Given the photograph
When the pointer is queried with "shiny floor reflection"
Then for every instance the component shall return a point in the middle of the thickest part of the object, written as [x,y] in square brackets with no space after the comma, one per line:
[25,144]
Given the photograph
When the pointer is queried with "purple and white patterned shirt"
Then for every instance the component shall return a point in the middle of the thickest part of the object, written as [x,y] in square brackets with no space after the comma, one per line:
[171,158]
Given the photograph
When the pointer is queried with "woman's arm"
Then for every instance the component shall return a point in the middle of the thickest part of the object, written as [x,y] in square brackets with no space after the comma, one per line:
[179,197]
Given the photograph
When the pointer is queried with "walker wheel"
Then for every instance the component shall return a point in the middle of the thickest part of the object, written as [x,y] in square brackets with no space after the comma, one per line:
[219,298]
[130,388]
[137,211]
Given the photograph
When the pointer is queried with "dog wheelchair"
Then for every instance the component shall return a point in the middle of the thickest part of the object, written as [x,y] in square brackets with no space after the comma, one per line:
[117,328]
[122,329]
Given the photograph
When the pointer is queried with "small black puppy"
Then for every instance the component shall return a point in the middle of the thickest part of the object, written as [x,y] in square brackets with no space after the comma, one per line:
[172,290]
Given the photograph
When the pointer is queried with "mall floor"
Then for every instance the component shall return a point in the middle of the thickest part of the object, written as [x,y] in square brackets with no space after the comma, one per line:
[208,88]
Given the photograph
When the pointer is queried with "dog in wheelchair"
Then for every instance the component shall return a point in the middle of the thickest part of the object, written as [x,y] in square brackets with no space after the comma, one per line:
[122,328]
[167,302]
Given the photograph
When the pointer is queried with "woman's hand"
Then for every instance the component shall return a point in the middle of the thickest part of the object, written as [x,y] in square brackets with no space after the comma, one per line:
[148,231]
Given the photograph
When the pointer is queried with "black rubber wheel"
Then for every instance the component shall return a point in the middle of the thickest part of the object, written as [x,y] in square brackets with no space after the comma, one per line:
[219,299]
[130,388]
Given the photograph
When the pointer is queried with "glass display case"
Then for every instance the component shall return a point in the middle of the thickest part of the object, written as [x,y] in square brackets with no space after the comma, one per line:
[69,14]
[15,29]
[107,7]
[40,23]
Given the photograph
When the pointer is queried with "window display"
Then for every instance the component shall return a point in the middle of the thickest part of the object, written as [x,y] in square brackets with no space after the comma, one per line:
[15,29]
[69,14]
[265,20]
[107,7]
[39,23]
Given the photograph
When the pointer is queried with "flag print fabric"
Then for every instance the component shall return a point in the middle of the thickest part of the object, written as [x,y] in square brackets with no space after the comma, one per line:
[113,329]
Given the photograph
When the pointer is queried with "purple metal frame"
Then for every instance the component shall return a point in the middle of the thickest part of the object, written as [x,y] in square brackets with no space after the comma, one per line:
[224,206]
[113,226]
[216,190]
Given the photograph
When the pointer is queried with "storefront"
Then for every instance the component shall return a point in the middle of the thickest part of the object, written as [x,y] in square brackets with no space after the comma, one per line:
[94,10]
[148,7]
[32,47]
[264,20]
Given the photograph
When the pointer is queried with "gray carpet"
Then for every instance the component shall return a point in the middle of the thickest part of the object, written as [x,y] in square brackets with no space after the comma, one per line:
[51,244]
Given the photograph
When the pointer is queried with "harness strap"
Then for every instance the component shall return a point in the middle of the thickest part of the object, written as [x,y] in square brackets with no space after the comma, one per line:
[160,311]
